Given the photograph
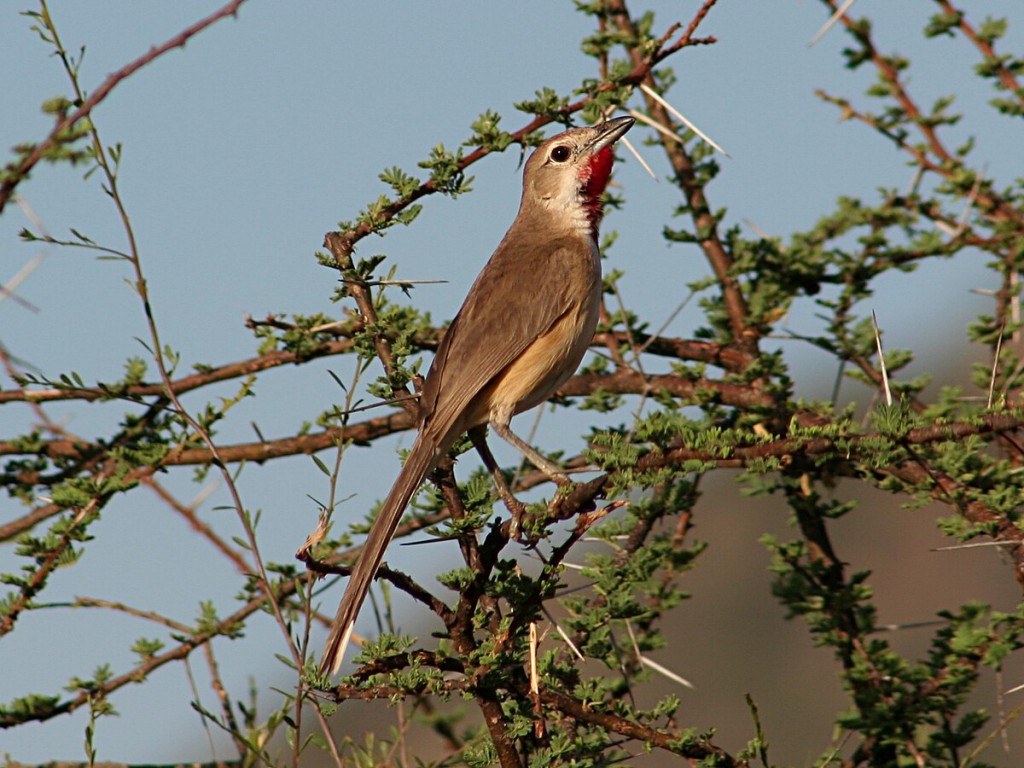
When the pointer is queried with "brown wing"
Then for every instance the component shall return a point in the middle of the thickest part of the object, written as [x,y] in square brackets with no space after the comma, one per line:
[515,299]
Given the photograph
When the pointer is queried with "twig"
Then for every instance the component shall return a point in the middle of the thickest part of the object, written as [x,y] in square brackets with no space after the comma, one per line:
[26,165]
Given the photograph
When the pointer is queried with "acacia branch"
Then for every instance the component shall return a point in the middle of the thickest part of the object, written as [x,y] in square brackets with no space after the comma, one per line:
[695,748]
[139,672]
[182,385]
[345,242]
[283,590]
[945,162]
[724,356]
[1006,77]
[623,382]
[20,172]
[704,220]
[45,565]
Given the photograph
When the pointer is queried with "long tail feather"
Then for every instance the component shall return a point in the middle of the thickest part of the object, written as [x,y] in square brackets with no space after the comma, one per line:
[422,458]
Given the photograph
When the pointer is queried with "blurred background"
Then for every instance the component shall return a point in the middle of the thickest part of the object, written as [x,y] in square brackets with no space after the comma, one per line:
[243,149]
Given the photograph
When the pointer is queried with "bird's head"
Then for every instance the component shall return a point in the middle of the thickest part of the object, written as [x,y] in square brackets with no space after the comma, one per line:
[568,173]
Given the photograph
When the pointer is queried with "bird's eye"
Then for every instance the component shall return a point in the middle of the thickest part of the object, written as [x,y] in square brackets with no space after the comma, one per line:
[560,153]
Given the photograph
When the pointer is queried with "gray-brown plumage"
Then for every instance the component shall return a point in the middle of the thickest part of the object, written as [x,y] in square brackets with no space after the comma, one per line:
[522,331]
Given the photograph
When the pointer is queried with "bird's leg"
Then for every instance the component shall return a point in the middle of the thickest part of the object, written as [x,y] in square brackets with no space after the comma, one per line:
[505,433]
[514,505]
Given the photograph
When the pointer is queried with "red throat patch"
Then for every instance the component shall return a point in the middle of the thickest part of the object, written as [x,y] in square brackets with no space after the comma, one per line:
[594,177]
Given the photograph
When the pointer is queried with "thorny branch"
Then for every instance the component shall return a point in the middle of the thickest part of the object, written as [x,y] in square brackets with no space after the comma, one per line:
[23,168]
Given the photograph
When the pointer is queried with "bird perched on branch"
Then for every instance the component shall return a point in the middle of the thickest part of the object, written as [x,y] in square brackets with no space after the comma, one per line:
[522,331]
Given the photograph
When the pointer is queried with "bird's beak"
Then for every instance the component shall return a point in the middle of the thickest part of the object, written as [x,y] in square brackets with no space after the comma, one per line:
[609,132]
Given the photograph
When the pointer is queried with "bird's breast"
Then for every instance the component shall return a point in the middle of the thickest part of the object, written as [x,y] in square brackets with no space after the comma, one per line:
[554,355]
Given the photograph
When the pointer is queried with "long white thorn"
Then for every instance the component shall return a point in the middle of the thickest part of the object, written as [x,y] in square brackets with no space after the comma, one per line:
[995,369]
[626,143]
[681,117]
[655,125]
[840,12]
[881,360]
[655,665]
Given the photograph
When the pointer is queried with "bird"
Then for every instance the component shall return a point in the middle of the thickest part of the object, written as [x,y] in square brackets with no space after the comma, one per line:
[523,329]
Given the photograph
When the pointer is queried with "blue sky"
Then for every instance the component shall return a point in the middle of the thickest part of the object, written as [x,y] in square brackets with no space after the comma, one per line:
[244,148]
